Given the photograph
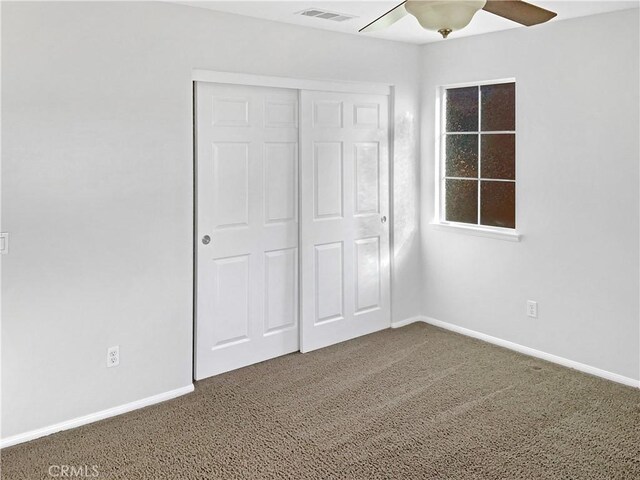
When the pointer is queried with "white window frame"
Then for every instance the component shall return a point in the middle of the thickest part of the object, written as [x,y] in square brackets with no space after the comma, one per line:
[439,222]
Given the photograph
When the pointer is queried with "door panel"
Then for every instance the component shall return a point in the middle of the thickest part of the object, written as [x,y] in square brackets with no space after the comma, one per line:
[230,185]
[281,112]
[329,294]
[230,112]
[367,188]
[328,166]
[281,178]
[281,290]
[247,201]
[345,273]
[367,287]
[366,115]
[231,299]
[327,113]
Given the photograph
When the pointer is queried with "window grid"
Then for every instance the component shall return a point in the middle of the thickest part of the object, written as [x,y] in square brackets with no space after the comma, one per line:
[479,219]
[442,163]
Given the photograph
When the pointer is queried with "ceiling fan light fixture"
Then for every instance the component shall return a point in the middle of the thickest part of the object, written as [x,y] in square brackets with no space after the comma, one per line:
[444,16]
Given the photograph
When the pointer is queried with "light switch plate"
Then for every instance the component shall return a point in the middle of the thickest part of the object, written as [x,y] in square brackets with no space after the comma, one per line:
[4,243]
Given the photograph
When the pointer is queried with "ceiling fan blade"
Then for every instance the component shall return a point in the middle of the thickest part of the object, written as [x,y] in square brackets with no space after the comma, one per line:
[386,20]
[519,11]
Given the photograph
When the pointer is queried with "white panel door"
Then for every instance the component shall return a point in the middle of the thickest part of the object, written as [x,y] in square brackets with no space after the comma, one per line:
[344,208]
[246,226]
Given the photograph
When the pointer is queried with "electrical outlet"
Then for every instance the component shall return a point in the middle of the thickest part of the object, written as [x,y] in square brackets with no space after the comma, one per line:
[113,356]
[532,309]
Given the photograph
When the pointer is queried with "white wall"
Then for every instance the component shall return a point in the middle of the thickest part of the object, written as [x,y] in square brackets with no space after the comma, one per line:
[577,193]
[97,188]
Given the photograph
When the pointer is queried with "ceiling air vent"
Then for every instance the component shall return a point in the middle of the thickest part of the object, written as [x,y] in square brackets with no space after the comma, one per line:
[333,16]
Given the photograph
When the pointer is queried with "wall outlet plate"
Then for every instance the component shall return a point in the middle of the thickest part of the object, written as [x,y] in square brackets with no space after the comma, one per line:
[113,356]
[532,309]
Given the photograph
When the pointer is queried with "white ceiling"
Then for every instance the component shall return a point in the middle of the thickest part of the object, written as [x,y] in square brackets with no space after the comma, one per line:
[405,30]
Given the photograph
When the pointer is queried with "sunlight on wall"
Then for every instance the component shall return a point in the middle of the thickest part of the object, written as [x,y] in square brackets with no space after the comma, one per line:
[405,186]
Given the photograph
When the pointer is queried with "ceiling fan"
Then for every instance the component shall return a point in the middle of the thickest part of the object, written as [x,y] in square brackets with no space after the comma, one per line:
[446,16]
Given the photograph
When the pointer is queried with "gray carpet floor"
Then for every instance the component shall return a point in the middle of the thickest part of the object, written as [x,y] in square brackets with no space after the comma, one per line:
[414,403]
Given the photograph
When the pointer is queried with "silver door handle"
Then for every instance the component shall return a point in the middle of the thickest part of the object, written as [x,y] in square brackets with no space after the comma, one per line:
[206,239]
[383,219]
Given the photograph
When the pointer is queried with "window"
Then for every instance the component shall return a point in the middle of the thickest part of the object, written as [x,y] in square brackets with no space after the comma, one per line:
[477,155]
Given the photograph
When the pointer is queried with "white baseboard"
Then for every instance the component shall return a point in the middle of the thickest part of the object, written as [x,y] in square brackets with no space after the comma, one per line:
[111,412]
[532,352]
[407,321]
[94,417]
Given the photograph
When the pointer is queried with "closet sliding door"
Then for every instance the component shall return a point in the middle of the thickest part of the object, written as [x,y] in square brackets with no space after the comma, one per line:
[291,221]
[345,271]
[246,225]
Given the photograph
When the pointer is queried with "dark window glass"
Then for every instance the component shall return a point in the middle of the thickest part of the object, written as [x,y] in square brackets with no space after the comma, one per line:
[498,107]
[462,201]
[487,160]
[498,151]
[462,156]
[498,204]
[462,109]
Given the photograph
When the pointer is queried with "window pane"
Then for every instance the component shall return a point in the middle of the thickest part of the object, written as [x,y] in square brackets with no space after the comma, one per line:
[498,107]
[498,204]
[462,156]
[462,201]
[462,109]
[498,152]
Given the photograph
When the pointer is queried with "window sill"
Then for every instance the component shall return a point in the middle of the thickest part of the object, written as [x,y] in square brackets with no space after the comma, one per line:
[497,233]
